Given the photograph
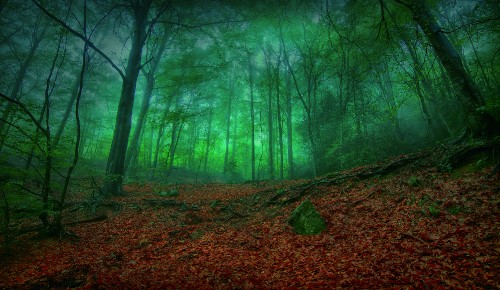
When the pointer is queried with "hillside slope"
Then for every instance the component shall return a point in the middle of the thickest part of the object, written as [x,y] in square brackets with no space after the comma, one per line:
[419,220]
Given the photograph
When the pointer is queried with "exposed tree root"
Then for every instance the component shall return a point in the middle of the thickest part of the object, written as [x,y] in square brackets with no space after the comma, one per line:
[89,220]
[445,158]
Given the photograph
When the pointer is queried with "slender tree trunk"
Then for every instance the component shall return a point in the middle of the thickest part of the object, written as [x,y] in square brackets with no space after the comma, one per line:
[59,216]
[84,138]
[252,113]
[228,123]
[420,78]
[115,168]
[173,146]
[425,112]
[388,92]
[148,160]
[133,149]
[235,134]
[69,108]
[193,140]
[270,128]
[484,76]
[278,110]
[47,178]
[291,173]
[161,130]
[208,140]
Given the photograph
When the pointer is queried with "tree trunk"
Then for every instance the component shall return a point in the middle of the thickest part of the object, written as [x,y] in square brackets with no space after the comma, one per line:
[479,123]
[208,140]
[134,146]
[252,113]
[115,168]
[228,123]
[270,128]
[161,129]
[173,146]
[291,170]
[69,108]
[278,110]
[388,93]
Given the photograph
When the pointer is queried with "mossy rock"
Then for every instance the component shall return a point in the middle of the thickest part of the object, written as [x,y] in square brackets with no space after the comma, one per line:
[306,220]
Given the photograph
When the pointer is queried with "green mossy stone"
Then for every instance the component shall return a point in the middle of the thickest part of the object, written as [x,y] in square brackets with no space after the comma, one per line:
[306,220]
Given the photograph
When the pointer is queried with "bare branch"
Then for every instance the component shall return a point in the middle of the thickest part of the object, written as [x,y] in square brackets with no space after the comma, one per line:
[81,36]
[200,25]
[27,112]
[480,21]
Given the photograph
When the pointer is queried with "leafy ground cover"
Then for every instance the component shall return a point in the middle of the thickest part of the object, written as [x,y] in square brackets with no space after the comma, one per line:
[414,227]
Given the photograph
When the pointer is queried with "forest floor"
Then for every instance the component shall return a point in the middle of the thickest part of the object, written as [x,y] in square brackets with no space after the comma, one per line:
[402,223]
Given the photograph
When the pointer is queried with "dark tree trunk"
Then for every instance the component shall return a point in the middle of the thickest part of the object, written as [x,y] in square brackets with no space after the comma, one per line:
[115,168]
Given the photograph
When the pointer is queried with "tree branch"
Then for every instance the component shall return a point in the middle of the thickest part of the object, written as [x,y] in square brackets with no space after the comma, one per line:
[193,26]
[81,36]
[27,112]
[480,21]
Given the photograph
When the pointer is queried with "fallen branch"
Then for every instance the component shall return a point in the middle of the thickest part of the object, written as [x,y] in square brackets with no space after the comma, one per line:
[411,236]
[90,220]
[343,177]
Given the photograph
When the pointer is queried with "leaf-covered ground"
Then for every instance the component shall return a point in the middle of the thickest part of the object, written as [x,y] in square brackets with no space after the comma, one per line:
[415,227]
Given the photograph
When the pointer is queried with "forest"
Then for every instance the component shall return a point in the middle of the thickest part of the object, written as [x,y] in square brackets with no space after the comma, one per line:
[175,144]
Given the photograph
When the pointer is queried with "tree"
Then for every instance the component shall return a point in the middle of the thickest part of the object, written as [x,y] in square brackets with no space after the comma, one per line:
[251,78]
[269,69]
[480,122]
[115,169]
[232,81]
[133,150]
